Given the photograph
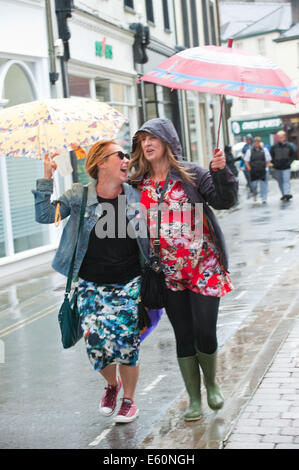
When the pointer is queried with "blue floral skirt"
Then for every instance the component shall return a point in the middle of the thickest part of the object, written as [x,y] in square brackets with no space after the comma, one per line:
[109,316]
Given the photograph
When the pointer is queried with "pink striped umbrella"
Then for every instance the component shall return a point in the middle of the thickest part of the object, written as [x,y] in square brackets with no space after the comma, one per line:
[225,71]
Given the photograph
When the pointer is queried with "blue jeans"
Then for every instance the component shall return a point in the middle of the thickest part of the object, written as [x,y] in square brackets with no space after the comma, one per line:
[263,186]
[283,178]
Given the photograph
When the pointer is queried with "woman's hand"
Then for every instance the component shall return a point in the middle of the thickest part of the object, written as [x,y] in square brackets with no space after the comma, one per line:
[218,161]
[49,166]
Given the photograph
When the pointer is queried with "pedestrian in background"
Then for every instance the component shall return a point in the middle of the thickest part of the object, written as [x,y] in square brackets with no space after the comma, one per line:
[195,267]
[257,160]
[247,146]
[230,160]
[283,153]
[108,268]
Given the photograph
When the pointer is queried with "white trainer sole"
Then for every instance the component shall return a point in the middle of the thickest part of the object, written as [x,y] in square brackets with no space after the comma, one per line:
[125,419]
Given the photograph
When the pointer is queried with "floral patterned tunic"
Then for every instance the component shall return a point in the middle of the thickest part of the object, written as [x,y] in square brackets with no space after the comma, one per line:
[190,258]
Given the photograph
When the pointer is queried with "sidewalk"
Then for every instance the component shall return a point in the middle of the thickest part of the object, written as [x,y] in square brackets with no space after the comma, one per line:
[258,369]
[271,418]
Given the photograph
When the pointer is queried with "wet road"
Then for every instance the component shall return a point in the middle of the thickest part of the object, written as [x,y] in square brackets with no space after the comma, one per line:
[49,397]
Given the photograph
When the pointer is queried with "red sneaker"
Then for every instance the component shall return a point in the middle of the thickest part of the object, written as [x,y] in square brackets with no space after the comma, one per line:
[128,412]
[108,403]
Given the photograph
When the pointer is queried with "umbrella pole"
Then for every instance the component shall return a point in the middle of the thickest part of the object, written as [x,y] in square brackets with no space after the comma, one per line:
[219,125]
[216,150]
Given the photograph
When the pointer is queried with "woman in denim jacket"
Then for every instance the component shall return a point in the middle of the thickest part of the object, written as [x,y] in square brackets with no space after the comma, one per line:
[111,248]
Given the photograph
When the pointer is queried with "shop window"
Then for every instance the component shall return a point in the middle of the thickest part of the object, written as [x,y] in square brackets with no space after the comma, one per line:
[192,103]
[83,177]
[79,86]
[2,239]
[102,90]
[20,175]
[158,102]
[27,233]
[17,88]
[117,95]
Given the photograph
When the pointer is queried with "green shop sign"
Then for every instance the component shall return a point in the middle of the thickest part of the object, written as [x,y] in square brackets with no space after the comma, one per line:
[257,126]
[103,49]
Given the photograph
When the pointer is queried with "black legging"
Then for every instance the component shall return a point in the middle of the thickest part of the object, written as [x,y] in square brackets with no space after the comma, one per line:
[194,319]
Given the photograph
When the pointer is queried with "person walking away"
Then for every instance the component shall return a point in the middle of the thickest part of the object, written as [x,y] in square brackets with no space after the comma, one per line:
[283,153]
[257,161]
[247,146]
[230,160]
[195,264]
[108,267]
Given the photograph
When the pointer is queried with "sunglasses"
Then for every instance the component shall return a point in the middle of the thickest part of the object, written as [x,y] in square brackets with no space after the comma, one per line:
[120,154]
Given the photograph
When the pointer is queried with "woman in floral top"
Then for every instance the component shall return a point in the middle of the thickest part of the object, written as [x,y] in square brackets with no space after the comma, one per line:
[193,251]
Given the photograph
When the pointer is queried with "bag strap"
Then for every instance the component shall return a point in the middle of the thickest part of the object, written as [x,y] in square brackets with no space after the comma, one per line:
[157,237]
[82,210]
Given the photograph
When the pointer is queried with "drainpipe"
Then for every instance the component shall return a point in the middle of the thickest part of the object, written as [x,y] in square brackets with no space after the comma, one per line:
[53,75]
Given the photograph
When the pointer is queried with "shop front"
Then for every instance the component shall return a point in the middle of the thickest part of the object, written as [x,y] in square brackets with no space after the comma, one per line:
[265,128]
[291,126]
[155,101]
[23,78]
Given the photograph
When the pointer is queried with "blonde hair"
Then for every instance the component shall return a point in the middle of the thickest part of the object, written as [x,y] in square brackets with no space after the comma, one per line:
[281,133]
[96,155]
[141,166]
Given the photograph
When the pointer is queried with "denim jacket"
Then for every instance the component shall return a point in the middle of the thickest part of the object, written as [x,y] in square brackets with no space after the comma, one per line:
[70,203]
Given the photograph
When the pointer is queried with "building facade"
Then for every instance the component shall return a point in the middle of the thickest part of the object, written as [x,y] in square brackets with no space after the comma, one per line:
[197,24]
[105,65]
[271,30]
[23,77]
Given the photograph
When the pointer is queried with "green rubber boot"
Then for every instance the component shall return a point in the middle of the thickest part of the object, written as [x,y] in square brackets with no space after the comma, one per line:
[207,363]
[191,375]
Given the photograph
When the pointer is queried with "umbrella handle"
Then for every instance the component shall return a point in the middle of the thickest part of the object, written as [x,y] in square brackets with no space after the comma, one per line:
[57,214]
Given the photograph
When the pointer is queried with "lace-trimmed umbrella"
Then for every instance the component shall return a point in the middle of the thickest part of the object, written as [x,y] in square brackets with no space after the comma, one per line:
[53,125]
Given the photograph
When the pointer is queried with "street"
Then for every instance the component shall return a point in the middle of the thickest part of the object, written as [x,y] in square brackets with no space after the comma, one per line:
[50,396]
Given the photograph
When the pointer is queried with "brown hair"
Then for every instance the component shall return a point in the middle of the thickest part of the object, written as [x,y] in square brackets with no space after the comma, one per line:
[141,166]
[96,155]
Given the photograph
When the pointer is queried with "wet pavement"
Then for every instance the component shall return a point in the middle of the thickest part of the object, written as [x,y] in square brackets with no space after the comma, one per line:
[49,396]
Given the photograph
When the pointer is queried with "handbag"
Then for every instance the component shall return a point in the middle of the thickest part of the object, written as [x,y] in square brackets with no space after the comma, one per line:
[68,317]
[152,278]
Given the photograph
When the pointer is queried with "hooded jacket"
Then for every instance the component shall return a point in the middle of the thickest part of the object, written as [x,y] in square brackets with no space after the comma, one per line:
[216,189]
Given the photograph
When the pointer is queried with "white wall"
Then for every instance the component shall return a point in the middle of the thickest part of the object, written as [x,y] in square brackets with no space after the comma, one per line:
[23,29]
[285,55]
[113,11]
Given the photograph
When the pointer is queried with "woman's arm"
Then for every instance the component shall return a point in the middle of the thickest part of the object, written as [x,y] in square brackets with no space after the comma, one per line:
[45,210]
[218,188]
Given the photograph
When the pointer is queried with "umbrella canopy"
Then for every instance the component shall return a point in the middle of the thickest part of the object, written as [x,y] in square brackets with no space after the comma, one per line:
[53,125]
[225,71]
